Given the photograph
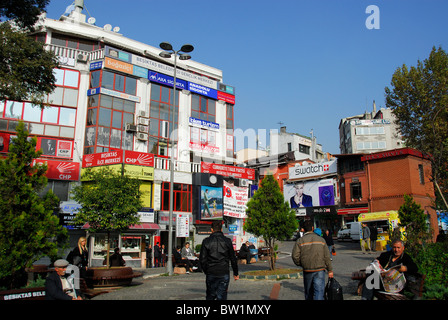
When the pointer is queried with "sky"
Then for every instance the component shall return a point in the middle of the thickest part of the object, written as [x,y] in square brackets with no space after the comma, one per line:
[300,64]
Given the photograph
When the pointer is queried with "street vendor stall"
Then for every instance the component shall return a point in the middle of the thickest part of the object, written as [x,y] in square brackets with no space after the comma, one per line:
[385,222]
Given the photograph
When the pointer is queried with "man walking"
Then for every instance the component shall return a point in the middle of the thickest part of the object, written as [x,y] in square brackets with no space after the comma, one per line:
[216,253]
[312,254]
[365,238]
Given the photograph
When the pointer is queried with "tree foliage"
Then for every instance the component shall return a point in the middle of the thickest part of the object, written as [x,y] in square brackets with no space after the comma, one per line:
[29,229]
[24,12]
[269,215]
[109,201]
[418,98]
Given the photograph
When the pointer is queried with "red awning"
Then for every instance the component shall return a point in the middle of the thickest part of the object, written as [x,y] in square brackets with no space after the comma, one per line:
[353,210]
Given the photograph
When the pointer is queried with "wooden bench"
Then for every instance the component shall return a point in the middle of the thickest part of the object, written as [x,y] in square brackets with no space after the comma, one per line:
[413,290]
[87,292]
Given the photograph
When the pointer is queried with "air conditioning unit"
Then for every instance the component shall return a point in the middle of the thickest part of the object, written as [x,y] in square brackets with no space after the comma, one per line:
[244,183]
[142,136]
[141,128]
[143,121]
[131,127]
[143,113]
[82,57]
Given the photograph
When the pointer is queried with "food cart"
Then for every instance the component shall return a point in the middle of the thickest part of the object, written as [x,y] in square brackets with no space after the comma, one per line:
[384,221]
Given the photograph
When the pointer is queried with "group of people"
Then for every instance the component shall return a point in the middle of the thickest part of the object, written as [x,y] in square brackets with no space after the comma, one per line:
[312,252]
[160,255]
[368,237]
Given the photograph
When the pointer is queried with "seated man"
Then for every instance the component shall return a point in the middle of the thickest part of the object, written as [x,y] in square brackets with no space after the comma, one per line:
[244,253]
[178,259]
[187,253]
[389,259]
[57,287]
[116,260]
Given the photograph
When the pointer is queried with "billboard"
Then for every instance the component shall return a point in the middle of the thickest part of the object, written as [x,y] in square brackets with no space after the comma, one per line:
[235,200]
[309,197]
[211,203]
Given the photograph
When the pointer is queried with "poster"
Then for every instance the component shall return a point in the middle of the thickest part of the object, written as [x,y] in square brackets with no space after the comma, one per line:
[235,200]
[182,225]
[211,203]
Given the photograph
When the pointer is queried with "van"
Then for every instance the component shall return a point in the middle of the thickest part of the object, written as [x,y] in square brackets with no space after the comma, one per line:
[350,231]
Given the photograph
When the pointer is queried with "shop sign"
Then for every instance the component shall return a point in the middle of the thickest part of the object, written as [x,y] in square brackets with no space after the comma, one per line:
[102,159]
[146,215]
[225,170]
[203,124]
[203,147]
[60,170]
[202,90]
[139,172]
[315,169]
[97,65]
[166,80]
[226,97]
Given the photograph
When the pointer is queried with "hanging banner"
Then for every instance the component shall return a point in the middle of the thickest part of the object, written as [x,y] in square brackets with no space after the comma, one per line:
[235,200]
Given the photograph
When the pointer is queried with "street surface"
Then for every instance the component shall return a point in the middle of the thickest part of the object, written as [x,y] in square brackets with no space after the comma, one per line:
[191,286]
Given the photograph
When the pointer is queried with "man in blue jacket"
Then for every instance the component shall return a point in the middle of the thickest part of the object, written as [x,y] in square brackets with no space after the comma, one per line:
[216,253]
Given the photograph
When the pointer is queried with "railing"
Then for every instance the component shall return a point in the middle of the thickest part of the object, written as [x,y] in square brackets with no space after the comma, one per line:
[74,53]
[165,164]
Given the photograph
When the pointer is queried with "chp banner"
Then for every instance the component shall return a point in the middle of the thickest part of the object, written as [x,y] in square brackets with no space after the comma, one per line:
[235,200]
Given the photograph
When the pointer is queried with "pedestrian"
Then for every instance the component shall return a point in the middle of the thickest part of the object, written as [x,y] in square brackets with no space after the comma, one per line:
[329,240]
[373,237]
[116,260]
[57,286]
[163,255]
[365,238]
[216,253]
[311,253]
[148,256]
[79,256]
[156,255]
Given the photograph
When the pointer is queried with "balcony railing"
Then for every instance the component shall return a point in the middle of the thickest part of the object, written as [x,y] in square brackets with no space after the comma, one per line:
[75,53]
[165,164]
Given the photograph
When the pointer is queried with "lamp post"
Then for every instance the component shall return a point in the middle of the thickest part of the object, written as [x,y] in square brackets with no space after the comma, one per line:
[168,51]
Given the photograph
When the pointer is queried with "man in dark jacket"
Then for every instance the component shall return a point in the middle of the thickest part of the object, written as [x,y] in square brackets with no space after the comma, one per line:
[57,286]
[216,252]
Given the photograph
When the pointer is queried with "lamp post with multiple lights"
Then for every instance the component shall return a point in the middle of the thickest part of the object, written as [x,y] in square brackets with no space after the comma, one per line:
[183,55]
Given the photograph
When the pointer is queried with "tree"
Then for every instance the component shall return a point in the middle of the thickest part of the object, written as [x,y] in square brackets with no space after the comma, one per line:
[413,220]
[26,68]
[418,98]
[29,229]
[269,216]
[109,202]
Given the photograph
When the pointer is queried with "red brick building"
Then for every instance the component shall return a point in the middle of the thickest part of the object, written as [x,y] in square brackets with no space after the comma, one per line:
[378,181]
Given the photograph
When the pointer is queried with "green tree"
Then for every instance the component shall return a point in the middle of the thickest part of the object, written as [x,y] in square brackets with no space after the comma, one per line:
[419,100]
[29,229]
[269,216]
[24,12]
[413,219]
[109,202]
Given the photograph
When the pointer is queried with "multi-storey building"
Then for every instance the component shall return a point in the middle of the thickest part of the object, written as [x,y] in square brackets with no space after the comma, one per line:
[113,102]
[369,132]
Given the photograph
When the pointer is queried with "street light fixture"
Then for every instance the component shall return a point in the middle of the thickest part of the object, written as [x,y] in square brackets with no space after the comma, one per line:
[167,53]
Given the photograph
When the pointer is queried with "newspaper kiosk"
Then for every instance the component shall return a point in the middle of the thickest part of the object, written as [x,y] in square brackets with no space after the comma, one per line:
[384,221]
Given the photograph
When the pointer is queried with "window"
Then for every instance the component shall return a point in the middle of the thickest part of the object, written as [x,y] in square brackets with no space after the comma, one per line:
[203,108]
[160,122]
[421,174]
[371,145]
[289,146]
[355,190]
[182,195]
[74,43]
[304,149]
[118,82]
[369,130]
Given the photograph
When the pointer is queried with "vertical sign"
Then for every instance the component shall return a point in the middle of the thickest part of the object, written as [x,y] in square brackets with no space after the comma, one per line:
[182,226]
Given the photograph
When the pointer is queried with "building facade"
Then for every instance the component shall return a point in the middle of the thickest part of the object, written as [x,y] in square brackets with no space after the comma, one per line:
[113,105]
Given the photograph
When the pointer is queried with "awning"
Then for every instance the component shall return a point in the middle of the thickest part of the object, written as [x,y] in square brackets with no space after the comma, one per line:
[142,226]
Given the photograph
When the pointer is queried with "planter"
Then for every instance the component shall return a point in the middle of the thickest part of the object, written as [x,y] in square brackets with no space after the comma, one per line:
[110,277]
[23,294]
[272,275]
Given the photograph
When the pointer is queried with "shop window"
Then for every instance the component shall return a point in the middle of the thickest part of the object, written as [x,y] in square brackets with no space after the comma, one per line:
[100,245]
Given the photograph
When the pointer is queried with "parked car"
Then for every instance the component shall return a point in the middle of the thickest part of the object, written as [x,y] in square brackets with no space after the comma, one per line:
[350,231]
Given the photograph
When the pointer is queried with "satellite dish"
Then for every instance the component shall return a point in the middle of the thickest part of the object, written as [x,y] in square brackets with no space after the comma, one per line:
[91,20]
[117,29]
[107,27]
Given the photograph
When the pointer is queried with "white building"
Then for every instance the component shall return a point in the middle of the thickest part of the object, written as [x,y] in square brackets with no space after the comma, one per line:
[115,93]
[369,132]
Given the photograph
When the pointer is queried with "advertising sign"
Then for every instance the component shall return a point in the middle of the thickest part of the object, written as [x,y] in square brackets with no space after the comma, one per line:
[314,169]
[182,225]
[225,170]
[204,124]
[235,200]
[309,197]
[202,90]
[166,80]
[211,203]
[139,172]
[226,97]
[60,170]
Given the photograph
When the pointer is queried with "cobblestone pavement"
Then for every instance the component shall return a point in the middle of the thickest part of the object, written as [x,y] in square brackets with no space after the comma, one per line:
[153,286]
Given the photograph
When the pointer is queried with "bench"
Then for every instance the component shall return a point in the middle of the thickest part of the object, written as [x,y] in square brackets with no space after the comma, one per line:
[413,290]
[87,292]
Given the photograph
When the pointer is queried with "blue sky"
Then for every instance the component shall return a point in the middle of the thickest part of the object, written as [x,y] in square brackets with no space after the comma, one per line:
[307,64]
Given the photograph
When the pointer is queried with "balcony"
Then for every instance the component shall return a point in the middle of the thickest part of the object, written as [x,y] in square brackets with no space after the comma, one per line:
[165,164]
[75,53]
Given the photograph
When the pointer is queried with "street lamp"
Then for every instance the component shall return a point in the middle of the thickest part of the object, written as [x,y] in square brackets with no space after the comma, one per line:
[168,51]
